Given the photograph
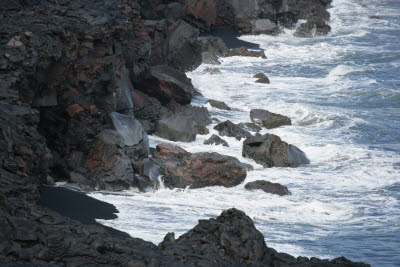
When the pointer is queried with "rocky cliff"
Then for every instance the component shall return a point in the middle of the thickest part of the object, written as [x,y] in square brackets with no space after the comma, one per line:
[82,83]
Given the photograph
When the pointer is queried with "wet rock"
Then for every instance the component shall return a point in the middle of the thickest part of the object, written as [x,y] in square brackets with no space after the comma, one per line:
[135,139]
[228,128]
[215,140]
[209,58]
[244,52]
[166,84]
[312,28]
[248,126]
[212,71]
[268,119]
[261,78]
[270,151]
[203,169]
[218,104]
[265,26]
[147,110]
[268,187]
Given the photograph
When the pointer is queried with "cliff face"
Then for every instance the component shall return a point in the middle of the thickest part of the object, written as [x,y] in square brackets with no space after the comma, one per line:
[67,70]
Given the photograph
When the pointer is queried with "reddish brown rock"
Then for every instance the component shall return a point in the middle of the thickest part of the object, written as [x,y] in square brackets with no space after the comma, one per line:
[204,10]
[95,156]
[244,52]
[74,109]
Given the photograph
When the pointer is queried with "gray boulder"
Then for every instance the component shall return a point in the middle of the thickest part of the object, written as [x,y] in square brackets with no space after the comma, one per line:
[218,104]
[228,128]
[268,187]
[268,119]
[176,127]
[312,28]
[249,126]
[216,140]
[212,71]
[261,78]
[270,151]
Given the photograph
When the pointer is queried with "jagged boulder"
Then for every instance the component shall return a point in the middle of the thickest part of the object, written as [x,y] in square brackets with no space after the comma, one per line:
[268,119]
[312,28]
[268,187]
[215,140]
[182,169]
[270,151]
[165,84]
[228,128]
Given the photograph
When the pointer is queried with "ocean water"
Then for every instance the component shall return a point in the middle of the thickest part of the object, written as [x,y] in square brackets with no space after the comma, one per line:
[342,92]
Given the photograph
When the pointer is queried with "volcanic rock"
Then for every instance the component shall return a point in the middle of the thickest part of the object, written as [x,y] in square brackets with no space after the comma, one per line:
[244,52]
[268,119]
[249,126]
[215,140]
[312,28]
[228,128]
[166,84]
[270,151]
[268,187]
[261,78]
[218,104]
[202,170]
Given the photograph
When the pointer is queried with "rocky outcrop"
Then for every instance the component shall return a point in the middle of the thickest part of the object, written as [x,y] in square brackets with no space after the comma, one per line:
[268,119]
[232,239]
[228,128]
[218,104]
[268,187]
[261,78]
[182,169]
[312,28]
[244,52]
[270,151]
[215,140]
[166,84]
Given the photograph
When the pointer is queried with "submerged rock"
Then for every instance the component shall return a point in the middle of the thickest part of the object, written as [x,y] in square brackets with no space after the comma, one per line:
[261,78]
[268,119]
[268,187]
[270,151]
[216,140]
[244,52]
[228,128]
[218,104]
[212,71]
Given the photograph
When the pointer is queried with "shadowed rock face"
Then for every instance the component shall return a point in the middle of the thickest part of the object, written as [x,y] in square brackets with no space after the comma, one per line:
[270,151]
